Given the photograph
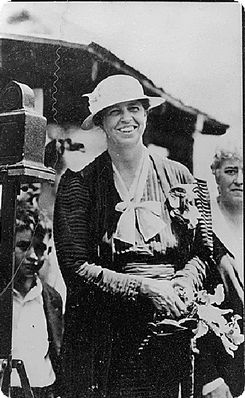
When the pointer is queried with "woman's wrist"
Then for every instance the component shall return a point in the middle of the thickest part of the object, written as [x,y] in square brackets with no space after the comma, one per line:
[148,286]
[124,285]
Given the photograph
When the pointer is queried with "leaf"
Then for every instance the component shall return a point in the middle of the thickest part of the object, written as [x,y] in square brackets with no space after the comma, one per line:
[228,345]
[201,330]
[218,296]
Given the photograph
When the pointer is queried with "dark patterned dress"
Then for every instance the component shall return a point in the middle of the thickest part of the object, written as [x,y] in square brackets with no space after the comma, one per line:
[107,317]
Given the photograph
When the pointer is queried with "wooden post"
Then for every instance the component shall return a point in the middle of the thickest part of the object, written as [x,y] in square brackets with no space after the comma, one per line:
[22,147]
[8,215]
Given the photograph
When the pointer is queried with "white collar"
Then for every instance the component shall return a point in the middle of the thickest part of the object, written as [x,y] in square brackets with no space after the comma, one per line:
[35,293]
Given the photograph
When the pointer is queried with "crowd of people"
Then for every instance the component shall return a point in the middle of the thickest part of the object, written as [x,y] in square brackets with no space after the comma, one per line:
[133,240]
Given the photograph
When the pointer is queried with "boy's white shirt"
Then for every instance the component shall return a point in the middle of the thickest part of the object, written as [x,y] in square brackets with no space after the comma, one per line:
[30,338]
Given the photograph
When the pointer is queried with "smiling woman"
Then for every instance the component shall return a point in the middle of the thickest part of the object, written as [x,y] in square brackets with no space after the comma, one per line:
[125,256]
[124,124]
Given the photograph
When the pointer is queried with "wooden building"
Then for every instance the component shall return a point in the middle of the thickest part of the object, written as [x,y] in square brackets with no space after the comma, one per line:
[64,71]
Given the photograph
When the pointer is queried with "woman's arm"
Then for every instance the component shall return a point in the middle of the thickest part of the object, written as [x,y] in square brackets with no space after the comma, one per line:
[76,247]
[75,241]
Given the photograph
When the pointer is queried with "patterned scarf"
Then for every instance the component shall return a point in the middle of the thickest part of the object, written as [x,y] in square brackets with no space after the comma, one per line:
[146,215]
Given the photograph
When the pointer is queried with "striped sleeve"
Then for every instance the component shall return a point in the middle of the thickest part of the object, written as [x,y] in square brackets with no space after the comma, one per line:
[74,240]
[71,221]
[203,205]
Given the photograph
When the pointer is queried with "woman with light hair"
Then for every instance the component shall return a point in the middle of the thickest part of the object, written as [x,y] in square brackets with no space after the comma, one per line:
[219,375]
[227,213]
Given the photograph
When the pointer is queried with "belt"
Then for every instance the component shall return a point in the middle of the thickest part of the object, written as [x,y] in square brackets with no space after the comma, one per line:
[157,271]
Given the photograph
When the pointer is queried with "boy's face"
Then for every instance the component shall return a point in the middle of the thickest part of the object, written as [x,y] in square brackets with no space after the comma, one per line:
[29,254]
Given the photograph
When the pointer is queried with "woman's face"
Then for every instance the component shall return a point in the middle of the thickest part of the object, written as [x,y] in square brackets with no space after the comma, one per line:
[124,123]
[229,178]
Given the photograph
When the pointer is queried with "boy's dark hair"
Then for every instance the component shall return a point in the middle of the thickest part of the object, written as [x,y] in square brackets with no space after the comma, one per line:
[32,218]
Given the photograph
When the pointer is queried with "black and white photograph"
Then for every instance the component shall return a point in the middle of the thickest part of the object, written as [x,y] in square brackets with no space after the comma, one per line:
[121,199]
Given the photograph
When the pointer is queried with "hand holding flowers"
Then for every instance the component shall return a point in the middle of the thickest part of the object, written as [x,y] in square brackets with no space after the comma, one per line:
[203,316]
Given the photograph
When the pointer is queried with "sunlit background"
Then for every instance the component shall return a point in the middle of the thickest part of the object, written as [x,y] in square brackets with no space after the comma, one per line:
[192,50]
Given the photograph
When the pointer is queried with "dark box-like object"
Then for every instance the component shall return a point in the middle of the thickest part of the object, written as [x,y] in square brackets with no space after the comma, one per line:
[22,131]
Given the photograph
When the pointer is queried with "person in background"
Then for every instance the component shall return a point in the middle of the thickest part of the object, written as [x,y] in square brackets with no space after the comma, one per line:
[227,213]
[33,194]
[37,309]
[131,250]
[218,373]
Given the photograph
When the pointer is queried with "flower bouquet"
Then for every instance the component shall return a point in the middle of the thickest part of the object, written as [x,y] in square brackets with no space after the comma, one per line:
[204,315]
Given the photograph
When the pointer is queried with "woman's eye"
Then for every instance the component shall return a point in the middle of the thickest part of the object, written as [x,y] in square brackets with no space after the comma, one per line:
[114,112]
[230,172]
[134,109]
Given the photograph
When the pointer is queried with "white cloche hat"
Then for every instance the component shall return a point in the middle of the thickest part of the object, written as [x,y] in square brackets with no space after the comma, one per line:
[113,90]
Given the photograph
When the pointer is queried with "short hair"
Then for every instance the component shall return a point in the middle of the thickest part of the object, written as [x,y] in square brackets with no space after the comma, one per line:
[225,152]
[33,218]
[30,217]
[98,117]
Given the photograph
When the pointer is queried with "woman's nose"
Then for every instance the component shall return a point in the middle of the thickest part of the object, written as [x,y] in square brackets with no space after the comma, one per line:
[239,177]
[126,115]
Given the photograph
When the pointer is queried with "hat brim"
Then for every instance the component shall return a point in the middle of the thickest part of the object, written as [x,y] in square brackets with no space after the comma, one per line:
[88,123]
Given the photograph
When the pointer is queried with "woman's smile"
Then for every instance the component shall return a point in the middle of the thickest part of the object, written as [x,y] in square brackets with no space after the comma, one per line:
[127,130]
[125,120]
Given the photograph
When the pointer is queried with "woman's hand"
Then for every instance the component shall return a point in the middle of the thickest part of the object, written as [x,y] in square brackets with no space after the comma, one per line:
[163,297]
[227,268]
[184,290]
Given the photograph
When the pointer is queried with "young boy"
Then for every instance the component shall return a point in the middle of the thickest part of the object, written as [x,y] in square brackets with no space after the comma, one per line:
[37,309]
